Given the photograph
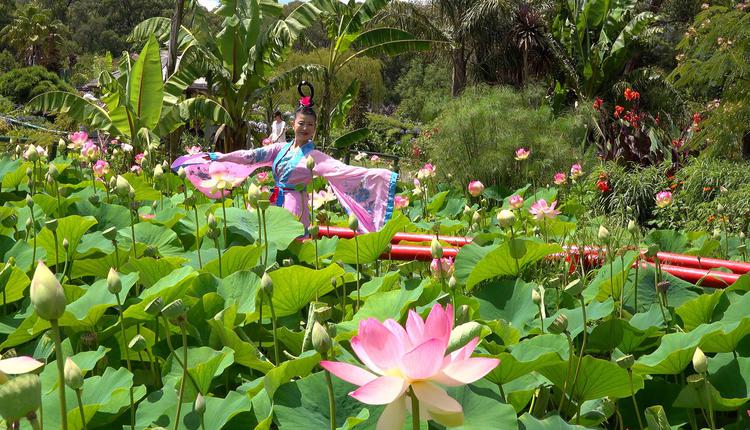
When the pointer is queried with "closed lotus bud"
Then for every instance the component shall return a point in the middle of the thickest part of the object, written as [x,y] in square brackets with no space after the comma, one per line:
[200,405]
[314,230]
[320,339]
[29,201]
[717,234]
[53,172]
[632,227]
[114,284]
[700,361]
[73,375]
[181,173]
[29,223]
[65,244]
[436,249]
[468,212]
[49,179]
[742,235]
[309,162]
[603,233]
[122,186]
[253,195]
[110,233]
[452,282]
[155,306]
[266,284]
[158,172]
[20,396]
[506,218]
[173,310]
[353,223]
[137,343]
[626,362]
[476,218]
[211,221]
[164,166]
[212,233]
[47,295]
[536,297]
[559,325]
[334,282]
[51,225]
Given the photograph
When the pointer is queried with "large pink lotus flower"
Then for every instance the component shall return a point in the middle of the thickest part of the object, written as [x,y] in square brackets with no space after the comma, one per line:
[442,267]
[262,177]
[374,159]
[398,359]
[576,171]
[77,140]
[560,178]
[522,154]
[222,178]
[475,188]
[515,201]
[17,366]
[540,210]
[139,158]
[664,199]
[427,171]
[101,168]
[400,202]
[90,150]
[192,150]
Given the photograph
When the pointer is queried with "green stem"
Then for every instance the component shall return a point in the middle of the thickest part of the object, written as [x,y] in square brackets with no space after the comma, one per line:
[571,353]
[273,327]
[635,284]
[580,357]
[80,408]
[513,239]
[356,248]
[184,376]
[216,242]
[635,403]
[57,250]
[132,231]
[710,405]
[331,398]
[414,410]
[60,373]
[57,194]
[260,322]
[33,229]
[127,360]
[224,212]
[265,239]
[197,237]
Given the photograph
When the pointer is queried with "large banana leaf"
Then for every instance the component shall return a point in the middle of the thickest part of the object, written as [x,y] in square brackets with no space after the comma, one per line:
[77,108]
[198,107]
[146,87]
[341,110]
[160,27]
[366,11]
[392,48]
[351,138]
[290,78]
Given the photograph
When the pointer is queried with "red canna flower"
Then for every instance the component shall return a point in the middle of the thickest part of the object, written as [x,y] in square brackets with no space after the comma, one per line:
[598,103]
[602,185]
[696,118]
[631,95]
[618,111]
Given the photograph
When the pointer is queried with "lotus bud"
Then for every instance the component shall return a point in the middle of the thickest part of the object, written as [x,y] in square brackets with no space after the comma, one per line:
[158,172]
[662,287]
[65,244]
[110,233]
[536,297]
[626,362]
[145,154]
[211,220]
[174,310]
[334,282]
[29,172]
[353,223]
[436,249]
[47,295]
[476,218]
[632,227]
[266,284]
[137,343]
[164,166]
[29,224]
[263,204]
[30,183]
[700,361]
[155,306]
[652,250]
[212,233]
[51,225]
[112,183]
[53,172]
[20,396]
[506,218]
[717,234]
[29,201]
[559,325]
[742,235]
[314,231]
[468,212]
[49,179]
[114,284]
[181,173]
[200,405]
[122,186]
[603,233]
[310,162]
[320,338]
[73,375]
[452,282]
[253,195]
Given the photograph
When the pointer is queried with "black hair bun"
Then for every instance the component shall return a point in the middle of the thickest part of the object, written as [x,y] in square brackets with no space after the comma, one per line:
[306,100]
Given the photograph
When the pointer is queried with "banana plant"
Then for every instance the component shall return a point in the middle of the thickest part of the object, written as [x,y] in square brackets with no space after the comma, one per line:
[597,37]
[138,106]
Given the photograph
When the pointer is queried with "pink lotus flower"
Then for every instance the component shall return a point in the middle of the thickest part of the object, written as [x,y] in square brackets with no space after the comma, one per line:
[522,154]
[147,216]
[515,201]
[18,366]
[398,359]
[400,202]
[262,177]
[139,158]
[417,187]
[77,140]
[576,171]
[541,210]
[101,168]
[374,158]
[126,147]
[136,169]
[427,171]
[192,150]
[34,153]
[560,178]
[475,188]
[442,267]
[90,150]
[222,178]
[664,199]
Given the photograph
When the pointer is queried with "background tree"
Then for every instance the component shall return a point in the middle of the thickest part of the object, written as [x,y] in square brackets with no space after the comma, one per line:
[36,37]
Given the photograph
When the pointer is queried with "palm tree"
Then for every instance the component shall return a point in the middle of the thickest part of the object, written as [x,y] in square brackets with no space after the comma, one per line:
[35,36]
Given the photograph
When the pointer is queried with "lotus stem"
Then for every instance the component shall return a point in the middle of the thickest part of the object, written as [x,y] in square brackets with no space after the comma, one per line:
[580,358]
[632,396]
[80,408]
[132,230]
[711,420]
[513,239]
[218,249]
[127,358]
[57,250]
[177,357]
[60,373]
[414,409]
[265,239]
[33,230]
[273,327]
[197,237]
[57,195]
[356,249]
[184,375]
[571,354]
[224,212]
[331,398]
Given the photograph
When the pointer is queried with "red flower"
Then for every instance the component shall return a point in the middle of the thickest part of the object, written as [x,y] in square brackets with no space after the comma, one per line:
[696,118]
[305,101]
[631,95]
[677,143]
[602,185]
[618,111]
[598,103]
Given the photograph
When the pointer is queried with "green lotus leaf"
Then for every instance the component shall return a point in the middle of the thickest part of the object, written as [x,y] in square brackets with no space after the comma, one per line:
[597,378]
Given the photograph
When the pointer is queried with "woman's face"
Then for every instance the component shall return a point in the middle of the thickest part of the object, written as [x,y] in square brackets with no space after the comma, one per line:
[278,118]
[304,127]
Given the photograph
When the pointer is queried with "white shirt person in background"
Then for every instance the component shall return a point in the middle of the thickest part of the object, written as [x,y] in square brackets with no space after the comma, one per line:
[278,128]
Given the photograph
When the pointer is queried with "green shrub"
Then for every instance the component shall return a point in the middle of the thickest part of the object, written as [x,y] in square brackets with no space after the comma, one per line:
[7,62]
[423,89]
[21,85]
[5,105]
[630,187]
[390,134]
[477,134]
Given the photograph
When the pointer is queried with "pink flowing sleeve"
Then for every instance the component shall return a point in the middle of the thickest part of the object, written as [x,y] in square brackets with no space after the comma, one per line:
[366,193]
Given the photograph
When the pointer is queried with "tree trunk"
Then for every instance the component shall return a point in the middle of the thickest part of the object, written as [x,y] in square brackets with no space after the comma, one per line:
[459,70]
[746,146]
[176,23]
[324,128]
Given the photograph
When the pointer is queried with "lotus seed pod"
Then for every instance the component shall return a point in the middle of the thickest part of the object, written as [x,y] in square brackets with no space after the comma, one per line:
[700,361]
[506,218]
[200,405]
[266,283]
[211,221]
[253,195]
[536,297]
[181,173]
[89,339]
[322,313]
[53,172]
[626,362]
[559,325]
[73,375]
[122,186]
[158,172]
[603,233]
[29,201]
[110,233]
[155,306]
[114,284]
[632,226]
[65,244]
[51,224]
[436,249]
[47,295]
[320,338]
[20,396]
[452,282]
[353,223]
[173,310]
[137,343]
[309,162]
